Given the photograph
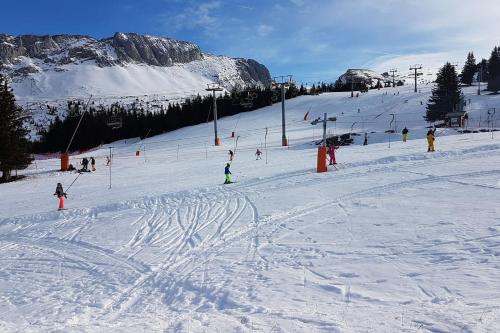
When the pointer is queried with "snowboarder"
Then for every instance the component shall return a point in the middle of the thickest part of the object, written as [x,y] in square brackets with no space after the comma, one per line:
[61,195]
[331,153]
[257,154]
[85,164]
[365,143]
[227,172]
[405,134]
[430,140]
[92,163]
[231,155]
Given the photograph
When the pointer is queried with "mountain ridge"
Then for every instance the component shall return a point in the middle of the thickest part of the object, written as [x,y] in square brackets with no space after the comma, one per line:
[39,61]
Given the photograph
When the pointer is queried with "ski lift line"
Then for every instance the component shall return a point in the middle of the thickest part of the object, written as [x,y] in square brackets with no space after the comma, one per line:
[207,136]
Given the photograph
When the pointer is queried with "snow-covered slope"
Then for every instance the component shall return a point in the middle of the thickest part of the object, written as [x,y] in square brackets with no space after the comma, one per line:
[391,240]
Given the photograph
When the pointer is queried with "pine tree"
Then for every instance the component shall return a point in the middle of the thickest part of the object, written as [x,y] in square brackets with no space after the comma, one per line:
[482,69]
[445,95]
[14,145]
[469,69]
[494,71]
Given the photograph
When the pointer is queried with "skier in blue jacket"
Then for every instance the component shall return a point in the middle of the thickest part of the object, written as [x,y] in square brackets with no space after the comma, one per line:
[227,172]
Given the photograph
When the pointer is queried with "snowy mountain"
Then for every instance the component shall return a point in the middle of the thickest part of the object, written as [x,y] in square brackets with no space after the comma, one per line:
[362,75]
[64,66]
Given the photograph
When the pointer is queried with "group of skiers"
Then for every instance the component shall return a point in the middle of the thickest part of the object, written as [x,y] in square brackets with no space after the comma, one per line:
[227,171]
[431,137]
[258,155]
[85,164]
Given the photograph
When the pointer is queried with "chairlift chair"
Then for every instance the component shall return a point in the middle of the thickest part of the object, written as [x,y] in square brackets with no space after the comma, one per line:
[115,122]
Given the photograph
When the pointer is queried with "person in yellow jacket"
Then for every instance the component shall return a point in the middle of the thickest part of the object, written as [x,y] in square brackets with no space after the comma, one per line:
[430,140]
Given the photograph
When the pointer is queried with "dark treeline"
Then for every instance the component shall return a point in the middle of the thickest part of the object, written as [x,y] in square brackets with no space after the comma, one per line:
[447,95]
[105,125]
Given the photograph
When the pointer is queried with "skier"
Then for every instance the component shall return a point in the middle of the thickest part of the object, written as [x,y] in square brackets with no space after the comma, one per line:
[258,153]
[61,195]
[227,172]
[108,160]
[405,134]
[331,153]
[430,140]
[92,163]
[85,165]
[365,143]
[231,155]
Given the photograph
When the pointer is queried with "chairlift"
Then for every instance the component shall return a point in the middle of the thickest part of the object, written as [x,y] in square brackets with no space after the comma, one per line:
[274,96]
[115,122]
[246,104]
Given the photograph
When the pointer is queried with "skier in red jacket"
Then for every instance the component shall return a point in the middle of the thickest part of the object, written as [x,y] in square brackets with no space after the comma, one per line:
[331,153]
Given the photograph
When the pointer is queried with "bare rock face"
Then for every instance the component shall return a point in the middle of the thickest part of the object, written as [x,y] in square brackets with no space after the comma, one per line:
[252,70]
[154,51]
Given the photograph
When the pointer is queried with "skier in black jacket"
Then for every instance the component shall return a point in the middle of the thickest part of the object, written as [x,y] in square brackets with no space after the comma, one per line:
[61,195]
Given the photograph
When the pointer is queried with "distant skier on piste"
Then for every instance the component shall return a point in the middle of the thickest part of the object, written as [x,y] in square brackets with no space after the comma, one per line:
[331,153]
[405,134]
[61,195]
[430,140]
[227,172]
[85,165]
[92,163]
[258,154]
[231,155]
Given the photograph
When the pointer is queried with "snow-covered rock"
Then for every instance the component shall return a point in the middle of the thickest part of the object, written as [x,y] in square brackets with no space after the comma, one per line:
[362,75]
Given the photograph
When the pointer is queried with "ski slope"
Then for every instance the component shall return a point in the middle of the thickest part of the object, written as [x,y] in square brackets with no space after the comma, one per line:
[392,240]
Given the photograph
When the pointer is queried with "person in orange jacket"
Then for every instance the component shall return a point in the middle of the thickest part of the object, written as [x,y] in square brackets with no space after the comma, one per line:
[430,140]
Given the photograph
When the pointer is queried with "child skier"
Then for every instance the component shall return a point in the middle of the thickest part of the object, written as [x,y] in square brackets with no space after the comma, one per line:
[430,140]
[231,155]
[331,153]
[92,163]
[61,195]
[227,172]
[258,153]
[405,134]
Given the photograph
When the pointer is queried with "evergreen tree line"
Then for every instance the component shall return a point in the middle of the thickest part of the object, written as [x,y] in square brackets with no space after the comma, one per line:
[484,71]
[447,96]
[14,145]
[95,127]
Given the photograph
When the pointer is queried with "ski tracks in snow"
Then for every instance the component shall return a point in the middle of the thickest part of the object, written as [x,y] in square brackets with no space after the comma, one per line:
[186,231]
[169,237]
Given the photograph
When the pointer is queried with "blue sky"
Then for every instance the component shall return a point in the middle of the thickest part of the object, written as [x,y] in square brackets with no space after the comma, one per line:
[314,40]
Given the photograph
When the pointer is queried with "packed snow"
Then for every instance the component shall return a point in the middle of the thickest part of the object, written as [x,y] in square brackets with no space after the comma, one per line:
[392,239]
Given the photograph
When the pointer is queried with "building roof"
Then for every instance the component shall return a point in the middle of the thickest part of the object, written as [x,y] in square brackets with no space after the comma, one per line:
[456,114]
